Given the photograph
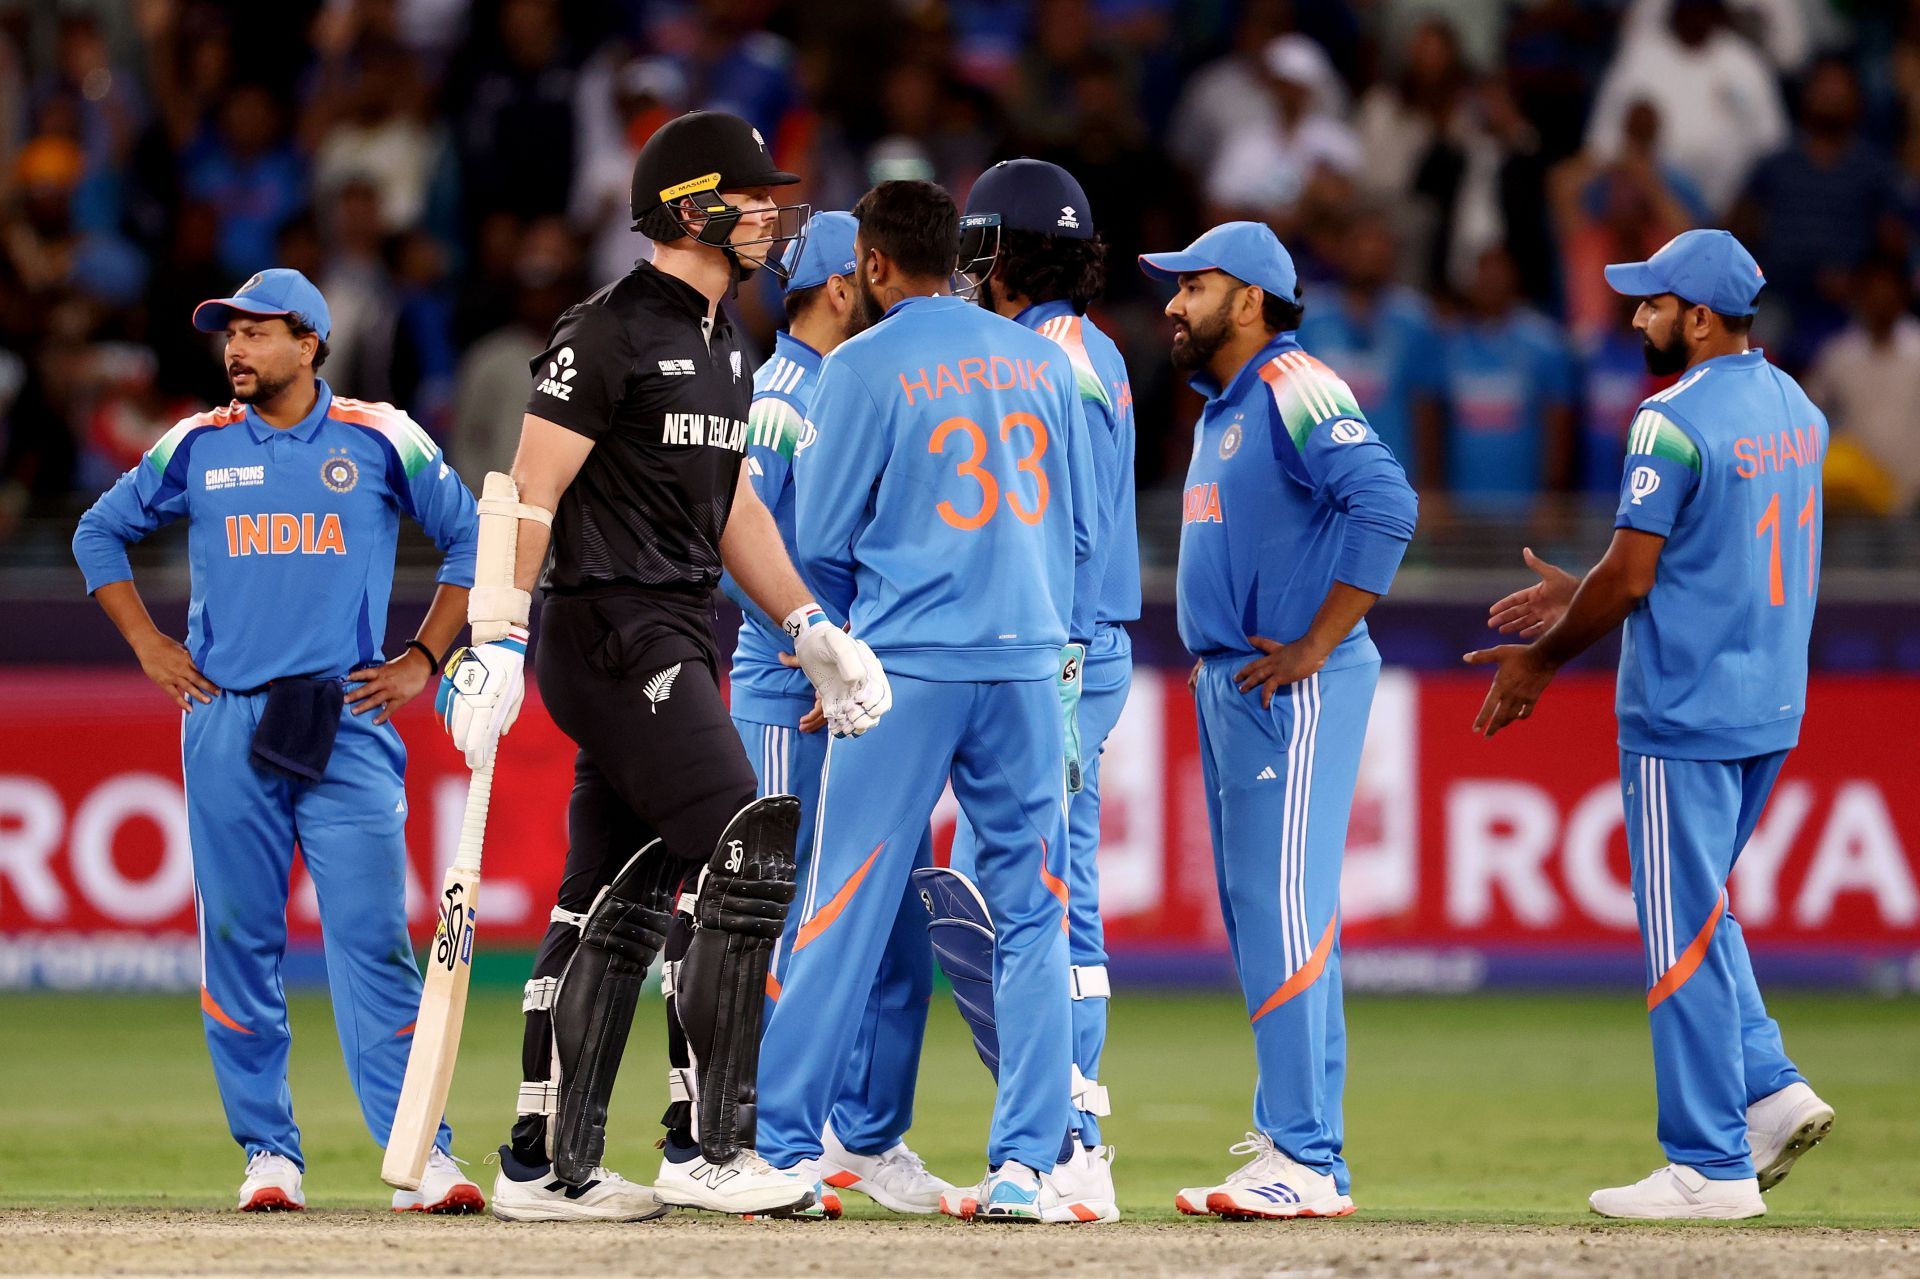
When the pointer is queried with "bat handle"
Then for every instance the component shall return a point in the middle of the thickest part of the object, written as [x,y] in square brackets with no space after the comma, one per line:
[473,825]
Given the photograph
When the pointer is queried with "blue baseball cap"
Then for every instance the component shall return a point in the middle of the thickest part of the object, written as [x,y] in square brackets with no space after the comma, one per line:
[279,292]
[1706,268]
[824,250]
[1248,251]
[1032,195]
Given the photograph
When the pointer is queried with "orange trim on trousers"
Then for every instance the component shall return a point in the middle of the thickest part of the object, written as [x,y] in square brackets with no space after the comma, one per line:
[1678,975]
[1306,974]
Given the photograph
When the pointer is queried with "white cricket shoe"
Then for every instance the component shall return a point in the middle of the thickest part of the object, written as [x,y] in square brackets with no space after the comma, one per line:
[745,1183]
[964,1201]
[1012,1195]
[1270,1186]
[272,1185]
[1081,1188]
[896,1179]
[826,1204]
[443,1189]
[523,1192]
[1781,1127]
[1678,1193]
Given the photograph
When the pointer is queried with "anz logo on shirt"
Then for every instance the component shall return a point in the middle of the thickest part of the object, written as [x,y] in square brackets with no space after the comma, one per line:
[278,533]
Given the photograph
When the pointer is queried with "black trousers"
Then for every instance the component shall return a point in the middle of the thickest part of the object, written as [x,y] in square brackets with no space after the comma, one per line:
[629,675]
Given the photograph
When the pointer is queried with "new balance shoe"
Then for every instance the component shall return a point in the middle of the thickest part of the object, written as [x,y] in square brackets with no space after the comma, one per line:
[1679,1193]
[1080,1189]
[272,1185]
[443,1189]
[745,1183]
[1270,1186]
[1013,1195]
[530,1192]
[1783,1126]
[896,1179]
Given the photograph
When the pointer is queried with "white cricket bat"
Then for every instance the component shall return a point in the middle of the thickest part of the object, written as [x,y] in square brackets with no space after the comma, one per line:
[443,1001]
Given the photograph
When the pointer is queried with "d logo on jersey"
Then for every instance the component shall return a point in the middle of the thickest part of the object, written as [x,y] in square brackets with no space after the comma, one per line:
[1643,483]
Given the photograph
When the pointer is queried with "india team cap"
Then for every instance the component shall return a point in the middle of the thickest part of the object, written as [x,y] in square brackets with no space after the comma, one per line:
[1706,268]
[1032,195]
[1248,251]
[824,250]
[281,291]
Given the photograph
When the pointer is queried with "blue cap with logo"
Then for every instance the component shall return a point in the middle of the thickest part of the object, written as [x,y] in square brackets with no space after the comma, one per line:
[1706,268]
[1032,195]
[824,249]
[279,292]
[1248,251]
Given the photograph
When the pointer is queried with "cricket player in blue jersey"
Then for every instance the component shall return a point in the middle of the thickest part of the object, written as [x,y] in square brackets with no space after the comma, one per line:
[1713,569]
[772,703]
[1295,518]
[1050,266]
[945,495]
[293,497]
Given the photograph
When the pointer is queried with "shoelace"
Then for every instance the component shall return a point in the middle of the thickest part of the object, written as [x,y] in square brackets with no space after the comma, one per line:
[1258,1145]
[259,1160]
[903,1157]
[749,1161]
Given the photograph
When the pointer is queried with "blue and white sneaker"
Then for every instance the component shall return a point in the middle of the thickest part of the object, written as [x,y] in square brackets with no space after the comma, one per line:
[1268,1187]
[1012,1194]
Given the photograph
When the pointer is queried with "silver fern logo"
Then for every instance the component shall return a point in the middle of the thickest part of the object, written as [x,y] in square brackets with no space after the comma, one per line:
[660,687]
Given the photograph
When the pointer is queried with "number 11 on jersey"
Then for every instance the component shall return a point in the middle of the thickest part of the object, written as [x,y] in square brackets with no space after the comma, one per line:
[1770,524]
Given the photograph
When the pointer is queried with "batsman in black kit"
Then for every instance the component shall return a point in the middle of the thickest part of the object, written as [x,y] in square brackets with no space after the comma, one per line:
[634,447]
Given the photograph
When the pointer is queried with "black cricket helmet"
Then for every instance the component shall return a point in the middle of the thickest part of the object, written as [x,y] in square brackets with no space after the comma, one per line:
[684,167]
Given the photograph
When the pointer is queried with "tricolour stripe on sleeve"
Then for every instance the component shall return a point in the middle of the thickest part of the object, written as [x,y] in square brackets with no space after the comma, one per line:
[408,438]
[1654,434]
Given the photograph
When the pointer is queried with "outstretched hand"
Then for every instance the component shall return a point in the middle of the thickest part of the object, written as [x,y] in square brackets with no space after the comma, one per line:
[1522,675]
[1533,609]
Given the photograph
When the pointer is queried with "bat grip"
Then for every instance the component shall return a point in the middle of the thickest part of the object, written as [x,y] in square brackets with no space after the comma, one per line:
[473,824]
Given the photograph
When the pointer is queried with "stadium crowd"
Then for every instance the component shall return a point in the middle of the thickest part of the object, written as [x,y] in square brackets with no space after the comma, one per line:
[1450,175]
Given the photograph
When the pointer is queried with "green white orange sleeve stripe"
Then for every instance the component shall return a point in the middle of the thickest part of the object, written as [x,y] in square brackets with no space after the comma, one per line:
[772,423]
[1307,393]
[408,438]
[1065,332]
[1654,434]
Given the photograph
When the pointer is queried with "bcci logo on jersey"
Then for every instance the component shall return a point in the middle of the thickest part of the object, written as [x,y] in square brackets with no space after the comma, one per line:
[560,372]
[339,473]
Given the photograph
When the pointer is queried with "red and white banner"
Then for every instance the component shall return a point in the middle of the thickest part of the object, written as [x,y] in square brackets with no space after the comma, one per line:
[1455,842]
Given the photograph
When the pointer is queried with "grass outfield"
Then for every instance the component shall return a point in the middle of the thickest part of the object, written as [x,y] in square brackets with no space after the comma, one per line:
[1486,1109]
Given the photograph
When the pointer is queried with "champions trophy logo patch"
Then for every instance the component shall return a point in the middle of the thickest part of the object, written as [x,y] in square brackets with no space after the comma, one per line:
[339,473]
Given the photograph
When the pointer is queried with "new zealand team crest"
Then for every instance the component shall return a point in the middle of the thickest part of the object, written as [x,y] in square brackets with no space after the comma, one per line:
[339,473]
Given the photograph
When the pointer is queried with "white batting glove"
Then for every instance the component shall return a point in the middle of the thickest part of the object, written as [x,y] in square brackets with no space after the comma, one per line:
[853,689]
[481,692]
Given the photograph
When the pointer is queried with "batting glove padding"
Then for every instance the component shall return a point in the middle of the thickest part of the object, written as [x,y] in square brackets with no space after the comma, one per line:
[480,694]
[853,689]
[1073,660]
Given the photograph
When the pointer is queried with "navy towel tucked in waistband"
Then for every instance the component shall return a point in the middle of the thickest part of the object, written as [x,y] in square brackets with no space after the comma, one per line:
[297,726]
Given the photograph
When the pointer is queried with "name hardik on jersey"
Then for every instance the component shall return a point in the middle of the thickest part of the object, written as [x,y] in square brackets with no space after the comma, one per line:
[1725,465]
[761,688]
[291,532]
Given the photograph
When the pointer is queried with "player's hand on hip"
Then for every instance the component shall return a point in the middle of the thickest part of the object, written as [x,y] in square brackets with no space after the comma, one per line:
[1533,609]
[870,699]
[166,662]
[480,694]
[1520,677]
[387,687]
[1277,666]
[1073,660]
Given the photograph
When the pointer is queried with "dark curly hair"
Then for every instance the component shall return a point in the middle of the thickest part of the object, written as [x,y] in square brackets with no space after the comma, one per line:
[300,326]
[1281,314]
[1047,268]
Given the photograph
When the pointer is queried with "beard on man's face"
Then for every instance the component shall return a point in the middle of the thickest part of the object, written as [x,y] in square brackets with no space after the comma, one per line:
[867,309]
[264,388]
[1199,339]
[1664,360]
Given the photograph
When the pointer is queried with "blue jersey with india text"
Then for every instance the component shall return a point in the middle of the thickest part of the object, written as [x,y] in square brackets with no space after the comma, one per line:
[1289,491]
[290,532]
[761,689]
[946,500]
[1724,464]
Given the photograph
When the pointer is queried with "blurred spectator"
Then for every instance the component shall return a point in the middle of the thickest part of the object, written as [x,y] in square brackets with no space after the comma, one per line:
[491,390]
[1867,379]
[1381,338]
[731,60]
[1510,396]
[515,107]
[1263,168]
[47,252]
[384,137]
[1720,108]
[249,174]
[1613,381]
[643,94]
[1061,40]
[186,275]
[1776,27]
[1817,209]
[106,109]
[421,358]
[1228,93]
[1620,210]
[360,295]
[130,411]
